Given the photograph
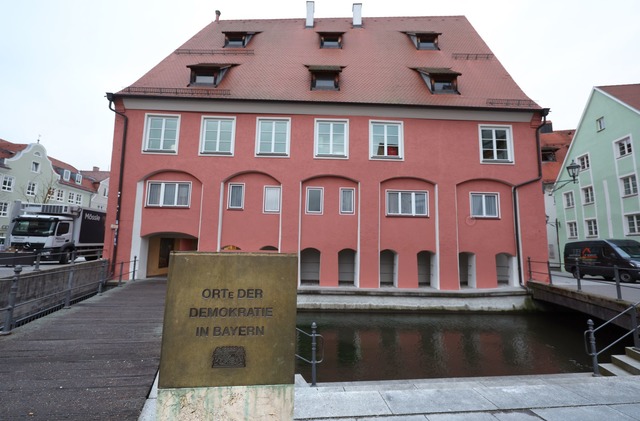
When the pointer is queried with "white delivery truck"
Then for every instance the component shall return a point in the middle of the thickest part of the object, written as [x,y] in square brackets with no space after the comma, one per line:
[56,231]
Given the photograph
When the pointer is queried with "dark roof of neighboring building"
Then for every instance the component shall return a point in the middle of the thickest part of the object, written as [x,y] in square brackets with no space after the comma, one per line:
[559,142]
[629,94]
[95,174]
[378,64]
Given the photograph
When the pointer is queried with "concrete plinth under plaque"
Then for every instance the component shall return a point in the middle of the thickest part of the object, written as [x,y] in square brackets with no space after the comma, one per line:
[228,344]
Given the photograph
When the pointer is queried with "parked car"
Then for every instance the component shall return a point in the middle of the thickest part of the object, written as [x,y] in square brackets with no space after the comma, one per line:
[598,258]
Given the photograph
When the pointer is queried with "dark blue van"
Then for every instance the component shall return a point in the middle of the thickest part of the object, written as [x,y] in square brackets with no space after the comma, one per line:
[598,257]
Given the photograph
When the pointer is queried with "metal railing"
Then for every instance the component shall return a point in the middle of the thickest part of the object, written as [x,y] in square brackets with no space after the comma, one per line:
[590,336]
[131,269]
[314,350]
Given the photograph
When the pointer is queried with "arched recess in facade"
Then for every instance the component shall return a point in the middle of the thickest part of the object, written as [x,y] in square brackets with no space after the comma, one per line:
[408,229]
[486,235]
[329,223]
[251,211]
[167,218]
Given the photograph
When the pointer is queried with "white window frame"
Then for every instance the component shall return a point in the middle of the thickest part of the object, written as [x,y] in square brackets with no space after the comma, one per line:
[66,175]
[373,147]
[71,197]
[235,186]
[588,196]
[78,199]
[623,147]
[484,213]
[584,162]
[59,195]
[632,224]
[629,185]
[572,229]
[332,143]
[8,182]
[600,125]
[78,178]
[4,209]
[591,227]
[404,193]
[569,200]
[32,188]
[35,167]
[272,153]
[163,191]
[344,205]
[274,190]
[217,140]
[307,201]
[494,146]
[147,132]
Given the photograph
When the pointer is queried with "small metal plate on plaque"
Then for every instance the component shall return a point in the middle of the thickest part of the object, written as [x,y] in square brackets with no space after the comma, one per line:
[229,357]
[229,320]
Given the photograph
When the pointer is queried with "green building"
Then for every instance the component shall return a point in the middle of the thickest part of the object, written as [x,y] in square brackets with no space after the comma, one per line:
[603,201]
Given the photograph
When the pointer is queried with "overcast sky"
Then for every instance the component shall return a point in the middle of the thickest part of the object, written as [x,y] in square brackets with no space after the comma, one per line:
[60,57]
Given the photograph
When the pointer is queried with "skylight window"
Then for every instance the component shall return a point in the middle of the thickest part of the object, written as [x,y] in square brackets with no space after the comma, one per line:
[330,39]
[440,80]
[424,40]
[325,78]
[237,39]
[207,73]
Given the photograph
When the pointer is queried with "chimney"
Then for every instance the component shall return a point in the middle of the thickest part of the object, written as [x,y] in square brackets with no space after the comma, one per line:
[218,16]
[357,15]
[309,23]
[96,169]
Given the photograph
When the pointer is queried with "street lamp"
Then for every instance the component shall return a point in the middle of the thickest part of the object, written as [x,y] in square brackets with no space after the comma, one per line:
[573,170]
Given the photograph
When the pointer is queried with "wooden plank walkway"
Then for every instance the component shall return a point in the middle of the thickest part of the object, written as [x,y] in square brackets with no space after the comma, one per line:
[94,361]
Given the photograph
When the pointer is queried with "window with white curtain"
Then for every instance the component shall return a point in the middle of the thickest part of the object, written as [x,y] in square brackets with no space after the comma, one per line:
[236,196]
[407,203]
[484,205]
[271,199]
[347,200]
[164,194]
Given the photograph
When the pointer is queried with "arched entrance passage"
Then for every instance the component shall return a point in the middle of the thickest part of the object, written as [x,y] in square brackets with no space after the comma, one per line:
[160,248]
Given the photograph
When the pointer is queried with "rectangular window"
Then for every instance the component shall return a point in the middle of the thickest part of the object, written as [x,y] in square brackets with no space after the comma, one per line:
[629,185]
[584,162]
[4,208]
[66,175]
[587,195]
[592,227]
[71,197]
[273,137]
[272,199]
[78,178]
[407,203]
[161,134]
[623,147]
[331,138]
[35,167]
[236,196]
[60,195]
[78,199]
[572,229]
[633,224]
[314,199]
[569,202]
[496,144]
[162,194]
[600,124]
[31,188]
[484,205]
[386,140]
[8,183]
[217,136]
[347,201]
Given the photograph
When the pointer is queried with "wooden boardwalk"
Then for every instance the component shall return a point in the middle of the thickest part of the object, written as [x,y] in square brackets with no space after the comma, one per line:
[94,361]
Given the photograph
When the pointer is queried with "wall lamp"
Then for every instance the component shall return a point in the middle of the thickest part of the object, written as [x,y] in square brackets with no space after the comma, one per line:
[573,170]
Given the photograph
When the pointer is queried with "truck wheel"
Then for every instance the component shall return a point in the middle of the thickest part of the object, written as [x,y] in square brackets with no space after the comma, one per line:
[65,257]
[626,277]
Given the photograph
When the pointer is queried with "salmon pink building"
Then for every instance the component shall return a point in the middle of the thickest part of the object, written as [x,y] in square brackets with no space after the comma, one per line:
[386,152]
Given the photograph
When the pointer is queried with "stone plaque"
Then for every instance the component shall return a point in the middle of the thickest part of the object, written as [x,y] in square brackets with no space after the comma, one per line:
[229,320]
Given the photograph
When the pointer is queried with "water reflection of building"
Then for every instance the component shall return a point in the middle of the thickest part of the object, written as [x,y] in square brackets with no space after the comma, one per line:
[384,152]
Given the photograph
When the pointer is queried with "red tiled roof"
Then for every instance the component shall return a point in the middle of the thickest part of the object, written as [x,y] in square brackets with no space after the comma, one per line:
[629,94]
[378,60]
[560,141]
[8,149]
[96,175]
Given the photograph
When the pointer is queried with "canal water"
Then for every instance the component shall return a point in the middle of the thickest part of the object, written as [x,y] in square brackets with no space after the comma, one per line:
[361,347]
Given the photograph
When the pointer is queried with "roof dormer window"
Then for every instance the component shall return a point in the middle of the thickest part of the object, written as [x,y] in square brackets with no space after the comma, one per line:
[424,40]
[207,73]
[325,78]
[330,39]
[237,39]
[440,80]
